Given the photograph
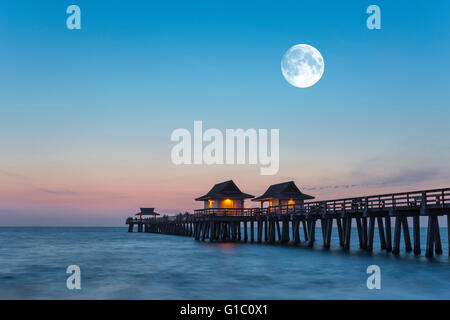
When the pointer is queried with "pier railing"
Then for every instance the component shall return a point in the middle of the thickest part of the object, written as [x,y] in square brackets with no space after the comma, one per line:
[434,198]
[412,200]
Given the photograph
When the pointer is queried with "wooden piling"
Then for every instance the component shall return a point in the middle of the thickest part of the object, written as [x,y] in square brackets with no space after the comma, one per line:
[381,233]
[406,234]
[305,230]
[347,232]
[397,231]
[328,234]
[371,234]
[437,237]
[245,231]
[212,230]
[430,237]
[416,232]
[259,224]
[340,232]
[285,234]
[312,231]
[278,228]
[272,237]
[448,232]
[388,231]
[364,230]
[296,231]
[360,232]
[266,235]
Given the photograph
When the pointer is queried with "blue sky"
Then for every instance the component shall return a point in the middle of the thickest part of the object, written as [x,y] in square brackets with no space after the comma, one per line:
[88,109]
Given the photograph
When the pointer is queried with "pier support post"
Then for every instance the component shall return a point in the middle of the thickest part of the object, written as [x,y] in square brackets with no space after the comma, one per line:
[448,232]
[140,227]
[233,231]
[204,230]
[430,237]
[245,231]
[238,227]
[259,226]
[360,232]
[305,230]
[371,234]
[252,227]
[388,230]
[397,231]
[266,235]
[416,231]
[296,230]
[277,222]
[272,230]
[130,227]
[212,229]
[197,228]
[312,232]
[340,232]
[347,232]
[364,229]
[328,233]
[323,228]
[406,234]
[381,233]
[285,234]
[437,238]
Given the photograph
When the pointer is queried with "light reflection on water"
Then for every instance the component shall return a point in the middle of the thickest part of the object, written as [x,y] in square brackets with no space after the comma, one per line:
[116,264]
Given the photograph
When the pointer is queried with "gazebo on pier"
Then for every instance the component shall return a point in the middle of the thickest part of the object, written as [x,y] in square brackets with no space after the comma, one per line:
[225,195]
[283,194]
[147,212]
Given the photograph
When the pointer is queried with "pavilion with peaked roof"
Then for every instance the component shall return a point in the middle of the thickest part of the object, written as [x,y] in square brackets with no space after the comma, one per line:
[147,212]
[224,195]
[283,194]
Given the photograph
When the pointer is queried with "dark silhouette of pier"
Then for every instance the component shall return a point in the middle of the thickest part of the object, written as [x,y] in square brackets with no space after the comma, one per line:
[283,223]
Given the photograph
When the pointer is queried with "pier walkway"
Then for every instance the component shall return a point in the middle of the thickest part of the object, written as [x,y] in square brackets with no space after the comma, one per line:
[282,224]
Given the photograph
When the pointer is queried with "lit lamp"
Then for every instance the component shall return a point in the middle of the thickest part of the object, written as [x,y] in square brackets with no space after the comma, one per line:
[437,199]
[382,204]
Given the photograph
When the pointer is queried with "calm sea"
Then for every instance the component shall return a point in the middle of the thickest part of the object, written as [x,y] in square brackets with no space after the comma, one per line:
[116,264]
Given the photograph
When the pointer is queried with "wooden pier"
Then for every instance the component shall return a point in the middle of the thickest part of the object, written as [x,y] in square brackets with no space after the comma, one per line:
[285,224]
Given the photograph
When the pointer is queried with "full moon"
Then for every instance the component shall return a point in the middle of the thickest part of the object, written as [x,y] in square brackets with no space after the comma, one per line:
[302,65]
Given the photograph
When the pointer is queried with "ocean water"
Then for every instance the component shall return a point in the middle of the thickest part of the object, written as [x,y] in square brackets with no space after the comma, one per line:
[116,264]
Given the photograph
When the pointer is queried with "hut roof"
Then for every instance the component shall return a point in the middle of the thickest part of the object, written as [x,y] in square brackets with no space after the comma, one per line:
[148,212]
[225,190]
[285,191]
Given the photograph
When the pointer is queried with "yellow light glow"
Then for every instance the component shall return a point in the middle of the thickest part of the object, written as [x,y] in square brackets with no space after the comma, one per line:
[211,202]
[291,202]
[228,203]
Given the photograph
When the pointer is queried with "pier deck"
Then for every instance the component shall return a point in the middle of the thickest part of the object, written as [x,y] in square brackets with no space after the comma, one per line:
[282,224]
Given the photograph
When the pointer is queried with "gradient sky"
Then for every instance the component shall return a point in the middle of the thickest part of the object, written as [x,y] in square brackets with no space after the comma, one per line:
[86,115]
